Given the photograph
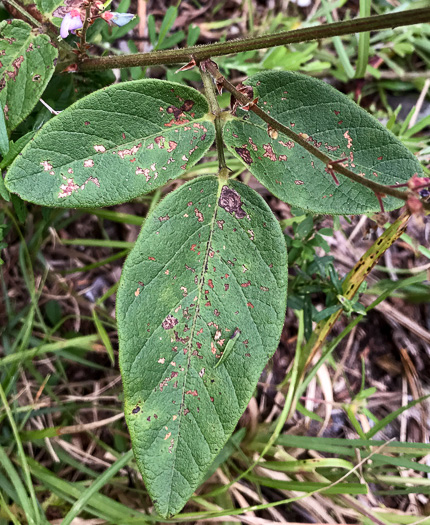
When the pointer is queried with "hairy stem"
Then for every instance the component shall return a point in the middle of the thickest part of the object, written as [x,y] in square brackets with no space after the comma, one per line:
[84,29]
[216,111]
[176,56]
[334,165]
[26,15]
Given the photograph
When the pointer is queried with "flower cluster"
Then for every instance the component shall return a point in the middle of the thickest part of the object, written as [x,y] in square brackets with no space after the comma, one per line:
[73,15]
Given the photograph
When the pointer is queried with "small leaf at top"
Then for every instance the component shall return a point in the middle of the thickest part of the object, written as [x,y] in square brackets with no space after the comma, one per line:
[27,62]
[114,145]
[208,275]
[335,125]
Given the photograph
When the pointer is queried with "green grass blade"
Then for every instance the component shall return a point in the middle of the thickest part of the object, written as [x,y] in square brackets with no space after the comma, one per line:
[22,495]
[363,42]
[84,342]
[33,516]
[391,417]
[78,506]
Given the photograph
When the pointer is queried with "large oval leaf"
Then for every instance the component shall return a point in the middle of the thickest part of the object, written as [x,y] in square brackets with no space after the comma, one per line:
[27,62]
[334,124]
[208,270]
[109,147]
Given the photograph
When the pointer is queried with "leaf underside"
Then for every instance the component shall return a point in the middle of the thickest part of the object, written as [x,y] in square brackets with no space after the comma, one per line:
[27,63]
[121,142]
[213,256]
[336,126]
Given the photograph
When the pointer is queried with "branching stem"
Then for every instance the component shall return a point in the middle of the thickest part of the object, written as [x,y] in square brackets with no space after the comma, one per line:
[177,56]
[216,111]
[301,139]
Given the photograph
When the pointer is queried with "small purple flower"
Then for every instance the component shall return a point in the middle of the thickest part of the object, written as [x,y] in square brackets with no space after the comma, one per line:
[71,21]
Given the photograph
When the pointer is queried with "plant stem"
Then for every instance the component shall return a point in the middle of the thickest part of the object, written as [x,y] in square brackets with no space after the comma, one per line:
[176,56]
[84,29]
[216,111]
[301,139]
[23,12]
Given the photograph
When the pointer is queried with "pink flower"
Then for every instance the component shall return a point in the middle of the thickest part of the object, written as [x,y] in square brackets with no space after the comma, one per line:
[71,21]
[119,19]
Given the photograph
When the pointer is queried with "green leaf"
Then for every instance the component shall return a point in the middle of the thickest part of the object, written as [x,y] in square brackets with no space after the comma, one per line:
[47,7]
[4,139]
[335,125]
[210,261]
[27,63]
[114,145]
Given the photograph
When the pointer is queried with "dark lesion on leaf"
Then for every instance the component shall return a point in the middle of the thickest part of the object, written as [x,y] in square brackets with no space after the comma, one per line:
[232,203]
[244,154]
[178,112]
[169,322]
[136,409]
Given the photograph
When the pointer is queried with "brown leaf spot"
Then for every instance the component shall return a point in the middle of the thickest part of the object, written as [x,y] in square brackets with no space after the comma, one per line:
[88,163]
[199,215]
[160,141]
[187,105]
[269,152]
[132,151]
[253,146]
[289,144]
[136,409]
[349,139]
[16,64]
[143,171]
[99,148]
[172,146]
[67,189]
[192,392]
[169,322]
[244,154]
[165,218]
[46,165]
[231,202]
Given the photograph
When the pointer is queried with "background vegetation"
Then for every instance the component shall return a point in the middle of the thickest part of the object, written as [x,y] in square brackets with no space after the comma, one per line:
[64,447]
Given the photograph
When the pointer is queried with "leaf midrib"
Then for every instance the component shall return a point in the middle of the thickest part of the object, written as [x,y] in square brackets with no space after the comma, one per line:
[96,154]
[193,327]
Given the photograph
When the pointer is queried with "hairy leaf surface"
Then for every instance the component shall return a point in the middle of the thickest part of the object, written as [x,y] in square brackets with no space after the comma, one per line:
[27,62]
[47,7]
[208,273]
[335,125]
[109,147]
